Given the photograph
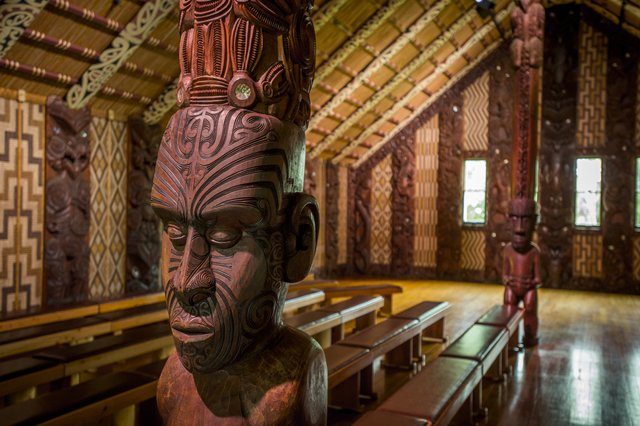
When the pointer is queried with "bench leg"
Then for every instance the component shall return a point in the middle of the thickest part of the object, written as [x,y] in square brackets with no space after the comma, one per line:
[125,417]
[387,308]
[479,410]
[23,395]
[337,333]
[435,333]
[323,338]
[365,321]
[401,357]
[496,371]
[346,394]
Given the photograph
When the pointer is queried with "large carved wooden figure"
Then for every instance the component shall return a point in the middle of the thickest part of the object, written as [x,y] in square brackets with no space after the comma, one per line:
[521,267]
[237,227]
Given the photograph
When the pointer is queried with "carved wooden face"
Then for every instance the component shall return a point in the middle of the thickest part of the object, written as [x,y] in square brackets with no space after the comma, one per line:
[522,215]
[221,180]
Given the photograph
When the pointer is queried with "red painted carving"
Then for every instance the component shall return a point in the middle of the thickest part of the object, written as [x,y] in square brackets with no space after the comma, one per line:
[67,204]
[143,226]
[404,169]
[521,270]
[500,147]
[360,185]
[332,196]
[557,149]
[449,206]
[237,229]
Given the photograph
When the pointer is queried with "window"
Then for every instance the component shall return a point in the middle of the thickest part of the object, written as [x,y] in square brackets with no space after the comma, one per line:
[638,192]
[588,191]
[475,189]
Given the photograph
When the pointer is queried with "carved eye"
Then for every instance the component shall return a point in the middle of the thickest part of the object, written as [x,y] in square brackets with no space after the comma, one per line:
[224,237]
[177,236]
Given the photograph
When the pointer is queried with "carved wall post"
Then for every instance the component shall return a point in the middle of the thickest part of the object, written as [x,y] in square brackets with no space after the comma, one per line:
[143,226]
[237,227]
[67,204]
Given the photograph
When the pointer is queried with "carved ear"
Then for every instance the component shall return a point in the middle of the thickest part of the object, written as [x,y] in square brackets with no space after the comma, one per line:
[302,236]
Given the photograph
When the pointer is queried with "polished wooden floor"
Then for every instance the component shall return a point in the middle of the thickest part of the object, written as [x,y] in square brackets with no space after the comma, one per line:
[586,370]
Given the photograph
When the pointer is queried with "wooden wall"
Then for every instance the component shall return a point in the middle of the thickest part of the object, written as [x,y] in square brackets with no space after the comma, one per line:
[63,204]
[590,106]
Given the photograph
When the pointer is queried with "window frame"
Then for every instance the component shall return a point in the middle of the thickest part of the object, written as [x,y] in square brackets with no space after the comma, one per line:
[464,191]
[597,227]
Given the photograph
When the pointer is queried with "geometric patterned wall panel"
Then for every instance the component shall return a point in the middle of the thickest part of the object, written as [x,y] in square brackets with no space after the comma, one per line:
[22,142]
[426,195]
[473,246]
[476,114]
[107,265]
[636,258]
[587,255]
[592,87]
[343,214]
[380,234]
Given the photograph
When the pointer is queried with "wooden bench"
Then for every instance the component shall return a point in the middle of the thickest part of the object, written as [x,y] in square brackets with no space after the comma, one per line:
[299,299]
[326,325]
[441,391]
[385,418]
[91,402]
[22,373]
[507,316]
[430,317]
[487,345]
[348,368]
[385,290]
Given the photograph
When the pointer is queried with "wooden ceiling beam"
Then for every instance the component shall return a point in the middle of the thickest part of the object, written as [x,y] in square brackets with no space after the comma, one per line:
[371,25]
[26,70]
[415,64]
[346,153]
[106,24]
[67,47]
[15,18]
[377,64]
[121,48]
[326,13]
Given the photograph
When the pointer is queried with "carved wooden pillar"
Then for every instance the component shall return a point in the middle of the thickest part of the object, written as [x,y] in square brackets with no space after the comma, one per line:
[404,169]
[67,196]
[143,226]
[237,226]
[526,52]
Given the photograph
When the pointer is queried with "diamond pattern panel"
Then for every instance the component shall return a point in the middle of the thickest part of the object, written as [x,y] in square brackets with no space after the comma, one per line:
[380,235]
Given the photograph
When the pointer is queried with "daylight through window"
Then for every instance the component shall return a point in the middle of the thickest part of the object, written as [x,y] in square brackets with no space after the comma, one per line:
[475,189]
[588,191]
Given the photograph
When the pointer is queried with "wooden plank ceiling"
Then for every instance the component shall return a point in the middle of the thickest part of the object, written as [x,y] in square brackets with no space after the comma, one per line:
[379,62]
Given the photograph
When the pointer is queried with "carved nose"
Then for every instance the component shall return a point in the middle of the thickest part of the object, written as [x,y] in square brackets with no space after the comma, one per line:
[196,281]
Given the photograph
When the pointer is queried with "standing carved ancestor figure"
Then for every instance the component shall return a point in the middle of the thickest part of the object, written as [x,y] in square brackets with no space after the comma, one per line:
[521,267]
[237,229]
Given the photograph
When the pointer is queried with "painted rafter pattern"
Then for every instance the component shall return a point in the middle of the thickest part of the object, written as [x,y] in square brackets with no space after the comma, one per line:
[359,38]
[384,58]
[15,18]
[402,76]
[326,14]
[433,98]
[162,105]
[122,47]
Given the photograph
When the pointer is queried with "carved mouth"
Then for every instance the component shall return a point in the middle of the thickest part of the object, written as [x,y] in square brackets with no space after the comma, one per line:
[193,332]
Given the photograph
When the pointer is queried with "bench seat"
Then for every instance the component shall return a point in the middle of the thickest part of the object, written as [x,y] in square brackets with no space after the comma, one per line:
[437,392]
[481,343]
[376,336]
[86,403]
[314,322]
[110,349]
[506,316]
[430,317]
[345,365]
[301,299]
[25,372]
[385,418]
[351,309]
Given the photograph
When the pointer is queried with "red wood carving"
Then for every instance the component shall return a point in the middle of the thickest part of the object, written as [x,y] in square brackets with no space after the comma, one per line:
[331,217]
[500,153]
[521,272]
[67,195]
[143,226]
[360,223]
[449,230]
[404,170]
[237,229]
[618,196]
[557,149]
